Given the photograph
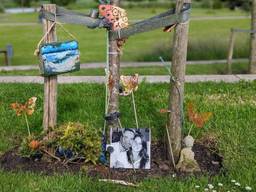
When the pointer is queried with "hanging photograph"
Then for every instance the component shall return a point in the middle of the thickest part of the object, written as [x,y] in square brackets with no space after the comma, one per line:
[130,148]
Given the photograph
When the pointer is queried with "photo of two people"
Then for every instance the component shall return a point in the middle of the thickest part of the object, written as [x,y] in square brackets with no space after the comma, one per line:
[130,148]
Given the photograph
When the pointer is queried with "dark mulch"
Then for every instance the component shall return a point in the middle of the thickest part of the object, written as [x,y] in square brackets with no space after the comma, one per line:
[209,161]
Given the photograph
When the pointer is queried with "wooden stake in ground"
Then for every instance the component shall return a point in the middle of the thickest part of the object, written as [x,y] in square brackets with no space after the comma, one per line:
[252,66]
[50,83]
[178,69]
[230,51]
[114,74]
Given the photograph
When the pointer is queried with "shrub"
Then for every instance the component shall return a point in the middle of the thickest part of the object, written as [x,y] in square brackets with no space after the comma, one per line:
[217,4]
[207,4]
[25,3]
[80,140]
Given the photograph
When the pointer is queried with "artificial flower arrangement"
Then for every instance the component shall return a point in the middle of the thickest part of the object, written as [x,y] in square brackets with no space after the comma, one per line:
[198,119]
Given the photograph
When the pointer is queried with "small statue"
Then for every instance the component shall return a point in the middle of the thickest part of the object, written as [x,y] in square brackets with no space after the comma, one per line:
[187,162]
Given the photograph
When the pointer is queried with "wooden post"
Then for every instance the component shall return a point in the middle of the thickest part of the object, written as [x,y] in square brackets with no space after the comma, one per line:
[50,83]
[252,65]
[6,58]
[230,51]
[178,69]
[114,72]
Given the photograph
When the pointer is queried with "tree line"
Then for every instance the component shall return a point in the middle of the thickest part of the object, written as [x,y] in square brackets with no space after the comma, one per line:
[215,4]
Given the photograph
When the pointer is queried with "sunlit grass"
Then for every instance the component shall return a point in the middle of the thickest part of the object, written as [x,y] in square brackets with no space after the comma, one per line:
[208,39]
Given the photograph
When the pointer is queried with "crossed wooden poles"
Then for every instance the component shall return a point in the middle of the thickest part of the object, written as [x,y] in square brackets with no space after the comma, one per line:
[174,123]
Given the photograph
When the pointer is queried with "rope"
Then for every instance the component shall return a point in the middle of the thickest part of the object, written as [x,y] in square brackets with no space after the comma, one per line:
[106,82]
[135,111]
[170,143]
[47,33]
[174,81]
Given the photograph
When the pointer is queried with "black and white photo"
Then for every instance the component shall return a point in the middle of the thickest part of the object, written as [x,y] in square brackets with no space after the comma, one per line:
[130,148]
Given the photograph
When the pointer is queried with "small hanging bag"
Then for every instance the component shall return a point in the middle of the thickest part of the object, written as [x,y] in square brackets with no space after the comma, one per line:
[58,57]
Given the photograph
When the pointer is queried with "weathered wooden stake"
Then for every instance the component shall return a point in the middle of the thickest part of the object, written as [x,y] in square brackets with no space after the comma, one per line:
[252,65]
[178,69]
[114,68]
[50,83]
[230,51]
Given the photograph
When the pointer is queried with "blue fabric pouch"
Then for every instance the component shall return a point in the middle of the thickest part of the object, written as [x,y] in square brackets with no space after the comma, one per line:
[58,58]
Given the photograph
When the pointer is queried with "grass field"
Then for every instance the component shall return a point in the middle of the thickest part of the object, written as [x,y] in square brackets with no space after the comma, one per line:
[233,124]
[238,68]
[233,105]
[207,39]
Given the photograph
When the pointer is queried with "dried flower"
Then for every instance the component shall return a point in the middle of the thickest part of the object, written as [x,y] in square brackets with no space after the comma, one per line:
[129,84]
[199,119]
[25,109]
[28,108]
[34,144]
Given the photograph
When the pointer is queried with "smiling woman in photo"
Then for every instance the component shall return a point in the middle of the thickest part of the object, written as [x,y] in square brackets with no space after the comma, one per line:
[138,153]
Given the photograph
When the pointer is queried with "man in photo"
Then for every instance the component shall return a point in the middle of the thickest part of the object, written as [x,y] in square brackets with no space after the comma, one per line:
[119,153]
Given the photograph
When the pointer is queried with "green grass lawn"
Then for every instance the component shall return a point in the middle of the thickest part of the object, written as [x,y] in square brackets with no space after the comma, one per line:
[238,68]
[208,39]
[233,123]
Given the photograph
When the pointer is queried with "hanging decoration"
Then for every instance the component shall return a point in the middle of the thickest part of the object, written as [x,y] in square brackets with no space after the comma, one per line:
[116,16]
[129,84]
[198,119]
[58,57]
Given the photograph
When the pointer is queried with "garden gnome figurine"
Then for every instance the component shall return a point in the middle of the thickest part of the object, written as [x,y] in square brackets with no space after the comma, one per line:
[187,162]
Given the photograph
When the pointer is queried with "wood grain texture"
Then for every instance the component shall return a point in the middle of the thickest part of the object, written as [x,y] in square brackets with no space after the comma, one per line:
[114,72]
[178,69]
[50,83]
[252,66]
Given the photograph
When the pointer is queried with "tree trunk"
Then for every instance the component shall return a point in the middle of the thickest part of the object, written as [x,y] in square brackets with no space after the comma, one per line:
[178,69]
[114,74]
[252,68]
[50,83]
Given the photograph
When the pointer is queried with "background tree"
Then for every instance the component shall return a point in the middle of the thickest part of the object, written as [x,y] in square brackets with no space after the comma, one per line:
[62,2]
[244,4]
[1,7]
[23,3]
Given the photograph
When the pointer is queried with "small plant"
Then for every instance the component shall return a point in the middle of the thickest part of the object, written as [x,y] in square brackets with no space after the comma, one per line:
[25,110]
[30,147]
[75,141]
